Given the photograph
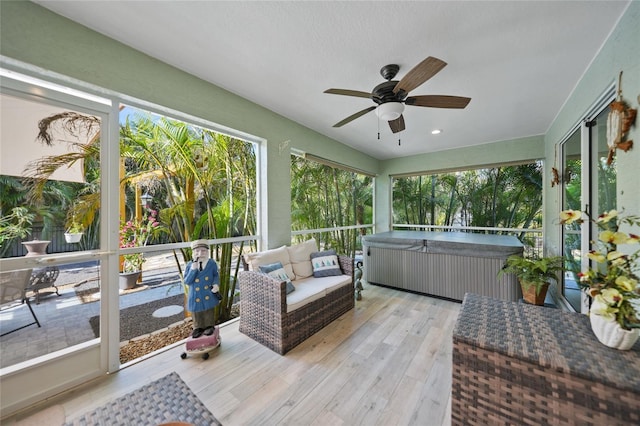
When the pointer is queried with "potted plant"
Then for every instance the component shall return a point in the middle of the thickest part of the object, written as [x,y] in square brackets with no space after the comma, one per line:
[534,275]
[131,270]
[135,233]
[74,232]
[75,222]
[613,278]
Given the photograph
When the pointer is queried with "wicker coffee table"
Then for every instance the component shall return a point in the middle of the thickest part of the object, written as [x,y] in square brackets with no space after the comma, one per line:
[515,363]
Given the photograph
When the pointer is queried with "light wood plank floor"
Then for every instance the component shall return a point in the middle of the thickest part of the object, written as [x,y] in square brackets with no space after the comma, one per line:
[388,362]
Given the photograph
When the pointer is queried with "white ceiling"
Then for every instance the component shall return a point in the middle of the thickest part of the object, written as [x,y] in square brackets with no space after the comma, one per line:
[517,60]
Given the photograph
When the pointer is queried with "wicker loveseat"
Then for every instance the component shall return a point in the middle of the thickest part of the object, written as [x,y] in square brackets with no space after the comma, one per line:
[281,321]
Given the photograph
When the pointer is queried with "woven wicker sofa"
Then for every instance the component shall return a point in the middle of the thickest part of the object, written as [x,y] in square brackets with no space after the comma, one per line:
[281,321]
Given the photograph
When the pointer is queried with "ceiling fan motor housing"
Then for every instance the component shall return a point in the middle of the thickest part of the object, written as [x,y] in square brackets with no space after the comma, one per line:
[383,93]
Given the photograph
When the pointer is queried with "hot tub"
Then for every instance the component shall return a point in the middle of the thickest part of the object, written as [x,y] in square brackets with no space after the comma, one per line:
[443,264]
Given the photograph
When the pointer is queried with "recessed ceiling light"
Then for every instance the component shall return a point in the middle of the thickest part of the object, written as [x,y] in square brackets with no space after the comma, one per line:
[436,131]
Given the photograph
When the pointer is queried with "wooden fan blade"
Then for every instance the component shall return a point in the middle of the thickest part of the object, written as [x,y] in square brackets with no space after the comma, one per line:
[438,101]
[419,74]
[347,92]
[354,116]
[397,125]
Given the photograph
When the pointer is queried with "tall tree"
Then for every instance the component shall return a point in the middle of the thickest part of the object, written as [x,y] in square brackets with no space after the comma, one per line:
[326,197]
[192,169]
[504,197]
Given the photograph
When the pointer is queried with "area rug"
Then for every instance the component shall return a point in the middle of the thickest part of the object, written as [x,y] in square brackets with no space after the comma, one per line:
[168,399]
[139,320]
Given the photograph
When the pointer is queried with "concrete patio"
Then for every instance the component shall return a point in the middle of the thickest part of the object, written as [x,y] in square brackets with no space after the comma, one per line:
[64,319]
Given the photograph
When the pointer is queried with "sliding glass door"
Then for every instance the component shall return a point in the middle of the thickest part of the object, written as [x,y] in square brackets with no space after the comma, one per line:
[588,178]
[572,199]
[56,147]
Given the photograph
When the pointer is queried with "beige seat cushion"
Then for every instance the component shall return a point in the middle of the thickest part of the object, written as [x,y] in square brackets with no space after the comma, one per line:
[300,255]
[310,289]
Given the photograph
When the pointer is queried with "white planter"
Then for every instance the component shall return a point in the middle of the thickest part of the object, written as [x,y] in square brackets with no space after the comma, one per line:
[73,237]
[610,333]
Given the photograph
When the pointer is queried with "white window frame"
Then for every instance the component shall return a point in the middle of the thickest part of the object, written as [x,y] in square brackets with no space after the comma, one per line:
[96,357]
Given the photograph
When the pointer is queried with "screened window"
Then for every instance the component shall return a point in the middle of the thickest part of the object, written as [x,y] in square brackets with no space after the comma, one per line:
[177,182]
[338,203]
[486,199]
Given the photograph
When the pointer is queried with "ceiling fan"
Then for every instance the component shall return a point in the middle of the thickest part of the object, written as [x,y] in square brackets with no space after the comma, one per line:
[391,96]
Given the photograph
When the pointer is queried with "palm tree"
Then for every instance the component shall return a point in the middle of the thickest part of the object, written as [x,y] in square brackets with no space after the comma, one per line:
[206,180]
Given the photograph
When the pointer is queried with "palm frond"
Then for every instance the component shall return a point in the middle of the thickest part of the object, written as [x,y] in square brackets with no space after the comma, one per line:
[70,122]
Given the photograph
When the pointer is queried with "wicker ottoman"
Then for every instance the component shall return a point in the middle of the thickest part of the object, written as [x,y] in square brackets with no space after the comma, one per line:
[515,363]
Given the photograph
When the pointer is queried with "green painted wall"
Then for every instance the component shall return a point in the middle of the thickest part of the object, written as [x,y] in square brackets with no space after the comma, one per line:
[621,52]
[34,35]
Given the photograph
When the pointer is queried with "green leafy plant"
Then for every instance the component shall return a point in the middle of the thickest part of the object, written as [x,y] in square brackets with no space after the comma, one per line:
[132,262]
[75,228]
[612,280]
[74,220]
[536,272]
[16,224]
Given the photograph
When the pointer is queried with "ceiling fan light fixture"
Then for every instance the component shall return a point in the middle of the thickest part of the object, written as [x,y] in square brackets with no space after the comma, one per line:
[390,111]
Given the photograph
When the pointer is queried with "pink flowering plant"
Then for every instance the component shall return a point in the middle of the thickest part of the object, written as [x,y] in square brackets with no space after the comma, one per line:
[612,280]
[137,233]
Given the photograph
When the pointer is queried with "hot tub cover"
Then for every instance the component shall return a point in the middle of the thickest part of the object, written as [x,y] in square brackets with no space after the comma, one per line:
[456,243]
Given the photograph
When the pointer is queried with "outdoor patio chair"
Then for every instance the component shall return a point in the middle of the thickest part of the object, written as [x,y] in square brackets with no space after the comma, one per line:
[43,278]
[13,288]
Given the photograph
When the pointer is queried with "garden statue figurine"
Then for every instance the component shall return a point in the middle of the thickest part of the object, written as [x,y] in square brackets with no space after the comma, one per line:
[201,275]
[358,277]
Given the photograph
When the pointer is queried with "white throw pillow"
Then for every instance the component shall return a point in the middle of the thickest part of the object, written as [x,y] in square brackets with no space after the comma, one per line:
[325,264]
[300,255]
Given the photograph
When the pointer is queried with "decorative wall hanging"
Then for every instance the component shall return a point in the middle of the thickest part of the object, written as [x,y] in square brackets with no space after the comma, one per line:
[620,119]
[555,176]
[555,180]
